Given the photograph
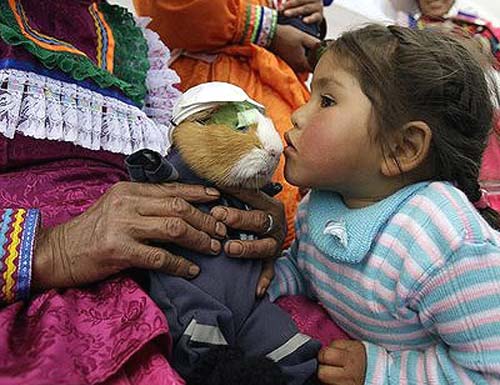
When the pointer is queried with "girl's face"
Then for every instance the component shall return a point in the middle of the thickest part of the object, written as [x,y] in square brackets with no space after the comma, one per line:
[436,8]
[331,145]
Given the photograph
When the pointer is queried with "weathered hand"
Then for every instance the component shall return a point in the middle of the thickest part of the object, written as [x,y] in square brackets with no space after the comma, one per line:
[291,44]
[312,10]
[268,247]
[116,233]
[342,363]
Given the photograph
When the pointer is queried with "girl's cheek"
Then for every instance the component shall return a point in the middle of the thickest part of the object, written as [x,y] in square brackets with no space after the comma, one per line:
[316,134]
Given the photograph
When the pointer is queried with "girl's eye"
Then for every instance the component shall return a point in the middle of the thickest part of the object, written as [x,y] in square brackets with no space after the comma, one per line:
[327,101]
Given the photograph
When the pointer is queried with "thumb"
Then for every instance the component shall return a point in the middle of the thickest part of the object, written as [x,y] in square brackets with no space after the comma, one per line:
[309,41]
[266,276]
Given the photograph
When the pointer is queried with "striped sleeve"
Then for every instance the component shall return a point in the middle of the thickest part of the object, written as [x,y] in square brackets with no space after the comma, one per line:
[459,304]
[288,280]
[260,25]
[17,234]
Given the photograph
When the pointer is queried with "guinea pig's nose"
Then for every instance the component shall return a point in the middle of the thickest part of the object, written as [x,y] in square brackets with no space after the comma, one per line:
[274,153]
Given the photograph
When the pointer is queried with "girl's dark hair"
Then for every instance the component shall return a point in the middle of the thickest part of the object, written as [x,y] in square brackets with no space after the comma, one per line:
[426,75]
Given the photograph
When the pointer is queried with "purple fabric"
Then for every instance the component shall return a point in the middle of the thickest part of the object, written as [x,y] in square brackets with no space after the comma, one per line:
[15,52]
[102,334]
[69,21]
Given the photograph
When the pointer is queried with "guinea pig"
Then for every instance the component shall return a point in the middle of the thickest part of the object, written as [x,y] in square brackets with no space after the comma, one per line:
[225,140]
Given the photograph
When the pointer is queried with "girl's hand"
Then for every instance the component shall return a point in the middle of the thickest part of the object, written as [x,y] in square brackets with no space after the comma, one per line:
[291,44]
[342,363]
[312,10]
[117,233]
[271,238]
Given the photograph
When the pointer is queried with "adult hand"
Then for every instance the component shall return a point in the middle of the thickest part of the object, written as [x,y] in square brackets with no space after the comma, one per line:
[291,44]
[312,10]
[117,231]
[342,363]
[271,239]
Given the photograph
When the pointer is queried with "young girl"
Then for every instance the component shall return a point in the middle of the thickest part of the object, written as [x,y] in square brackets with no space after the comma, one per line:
[396,239]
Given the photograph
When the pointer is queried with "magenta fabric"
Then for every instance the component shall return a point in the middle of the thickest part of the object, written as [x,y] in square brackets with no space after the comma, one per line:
[490,167]
[59,178]
[109,333]
[312,319]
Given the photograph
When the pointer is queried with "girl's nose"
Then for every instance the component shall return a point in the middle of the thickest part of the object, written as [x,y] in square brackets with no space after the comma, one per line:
[298,117]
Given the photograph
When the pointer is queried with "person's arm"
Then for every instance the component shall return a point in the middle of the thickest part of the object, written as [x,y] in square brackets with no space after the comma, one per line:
[18,229]
[207,25]
[460,306]
[288,279]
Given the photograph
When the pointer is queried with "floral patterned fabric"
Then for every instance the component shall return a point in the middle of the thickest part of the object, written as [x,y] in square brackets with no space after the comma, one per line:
[84,337]
[75,336]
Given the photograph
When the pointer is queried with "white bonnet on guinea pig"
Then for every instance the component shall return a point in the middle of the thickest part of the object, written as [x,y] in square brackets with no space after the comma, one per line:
[225,137]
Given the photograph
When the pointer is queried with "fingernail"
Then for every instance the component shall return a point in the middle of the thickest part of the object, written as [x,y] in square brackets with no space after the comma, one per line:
[193,270]
[211,191]
[260,291]
[235,248]
[219,213]
[215,246]
[220,230]
[287,13]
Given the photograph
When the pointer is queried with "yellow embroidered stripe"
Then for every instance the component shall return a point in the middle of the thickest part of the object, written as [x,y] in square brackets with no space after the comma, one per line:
[8,289]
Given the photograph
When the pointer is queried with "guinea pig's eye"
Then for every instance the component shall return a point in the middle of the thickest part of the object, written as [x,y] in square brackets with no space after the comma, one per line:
[202,121]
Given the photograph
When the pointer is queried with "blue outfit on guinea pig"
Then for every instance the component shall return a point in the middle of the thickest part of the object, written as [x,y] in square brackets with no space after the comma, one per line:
[219,308]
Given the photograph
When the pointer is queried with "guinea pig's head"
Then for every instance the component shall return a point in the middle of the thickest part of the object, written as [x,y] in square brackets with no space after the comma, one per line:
[231,145]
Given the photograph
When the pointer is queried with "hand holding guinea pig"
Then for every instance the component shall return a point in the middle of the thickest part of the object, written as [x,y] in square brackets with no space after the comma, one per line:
[222,139]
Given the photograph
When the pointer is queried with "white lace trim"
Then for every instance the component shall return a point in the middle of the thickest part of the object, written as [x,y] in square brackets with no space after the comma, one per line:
[44,108]
[162,95]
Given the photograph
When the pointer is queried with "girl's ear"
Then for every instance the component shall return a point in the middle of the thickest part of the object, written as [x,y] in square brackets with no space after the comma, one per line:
[409,150]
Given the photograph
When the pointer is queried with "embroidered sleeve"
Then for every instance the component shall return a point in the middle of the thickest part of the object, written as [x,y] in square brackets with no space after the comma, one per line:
[260,25]
[17,234]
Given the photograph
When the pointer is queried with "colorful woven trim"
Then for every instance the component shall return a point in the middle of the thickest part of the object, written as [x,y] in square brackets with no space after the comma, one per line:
[17,236]
[260,25]
[124,50]
[105,39]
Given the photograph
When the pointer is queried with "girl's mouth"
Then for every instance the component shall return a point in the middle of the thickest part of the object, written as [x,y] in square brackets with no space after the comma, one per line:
[289,143]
